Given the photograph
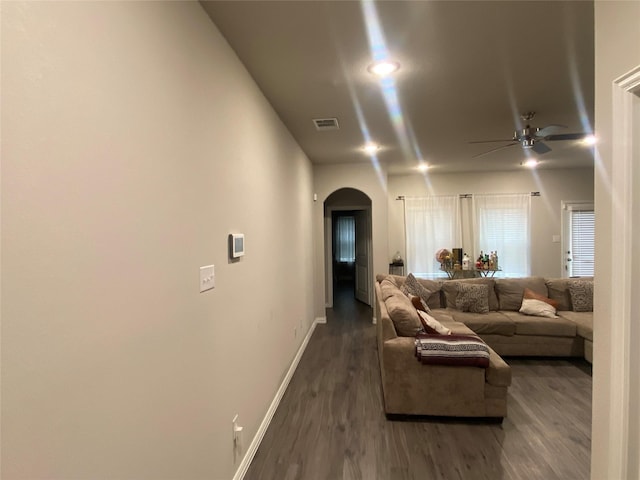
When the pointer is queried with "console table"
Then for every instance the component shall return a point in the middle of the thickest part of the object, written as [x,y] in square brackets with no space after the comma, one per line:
[396,269]
[453,273]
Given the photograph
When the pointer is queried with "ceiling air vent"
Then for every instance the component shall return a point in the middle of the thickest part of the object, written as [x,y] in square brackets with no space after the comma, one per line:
[323,124]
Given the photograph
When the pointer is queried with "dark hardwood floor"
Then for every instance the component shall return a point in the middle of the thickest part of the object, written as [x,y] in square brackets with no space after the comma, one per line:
[330,423]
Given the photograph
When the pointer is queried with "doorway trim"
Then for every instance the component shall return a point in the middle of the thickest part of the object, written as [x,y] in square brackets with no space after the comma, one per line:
[328,236]
[625,235]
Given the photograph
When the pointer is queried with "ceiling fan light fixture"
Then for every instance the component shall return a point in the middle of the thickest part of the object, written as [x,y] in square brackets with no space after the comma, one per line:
[383,68]
[527,142]
[530,163]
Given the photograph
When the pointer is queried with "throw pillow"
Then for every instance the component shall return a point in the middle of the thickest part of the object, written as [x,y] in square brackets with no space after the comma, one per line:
[510,291]
[539,308]
[581,292]
[419,303]
[411,286]
[531,295]
[472,298]
[431,325]
[450,289]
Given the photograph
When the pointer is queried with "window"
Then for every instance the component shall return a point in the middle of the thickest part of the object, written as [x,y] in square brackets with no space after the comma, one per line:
[431,223]
[345,238]
[502,224]
[499,223]
[579,242]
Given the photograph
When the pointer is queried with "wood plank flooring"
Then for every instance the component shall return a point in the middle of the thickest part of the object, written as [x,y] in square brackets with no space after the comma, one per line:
[330,423]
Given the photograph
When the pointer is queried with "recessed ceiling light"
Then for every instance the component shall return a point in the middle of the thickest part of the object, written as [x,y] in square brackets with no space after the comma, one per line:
[423,167]
[589,140]
[371,148]
[383,68]
[531,163]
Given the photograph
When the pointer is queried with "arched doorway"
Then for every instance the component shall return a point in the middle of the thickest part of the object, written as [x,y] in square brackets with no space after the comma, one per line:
[348,245]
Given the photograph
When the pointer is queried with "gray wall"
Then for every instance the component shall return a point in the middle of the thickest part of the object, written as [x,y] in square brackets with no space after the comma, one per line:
[133,143]
[617,51]
[554,185]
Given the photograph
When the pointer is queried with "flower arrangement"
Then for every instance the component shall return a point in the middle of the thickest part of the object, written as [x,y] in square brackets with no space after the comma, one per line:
[444,257]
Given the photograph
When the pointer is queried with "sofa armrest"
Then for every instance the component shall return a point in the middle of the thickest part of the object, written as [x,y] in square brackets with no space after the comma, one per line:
[409,387]
[499,373]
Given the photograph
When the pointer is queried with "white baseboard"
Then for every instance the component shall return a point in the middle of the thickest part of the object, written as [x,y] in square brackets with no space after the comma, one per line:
[255,443]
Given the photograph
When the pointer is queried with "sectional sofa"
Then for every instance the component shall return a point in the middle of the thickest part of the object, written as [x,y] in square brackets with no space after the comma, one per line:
[410,387]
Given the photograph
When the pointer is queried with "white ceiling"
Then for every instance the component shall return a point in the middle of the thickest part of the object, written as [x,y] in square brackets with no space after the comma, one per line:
[468,70]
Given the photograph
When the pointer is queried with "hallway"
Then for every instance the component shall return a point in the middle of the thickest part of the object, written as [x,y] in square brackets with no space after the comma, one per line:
[330,424]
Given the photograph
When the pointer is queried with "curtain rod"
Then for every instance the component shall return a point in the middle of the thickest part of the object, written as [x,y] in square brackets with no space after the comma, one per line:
[470,195]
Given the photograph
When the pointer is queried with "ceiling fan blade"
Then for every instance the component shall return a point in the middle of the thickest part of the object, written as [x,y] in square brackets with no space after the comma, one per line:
[494,149]
[549,129]
[493,141]
[540,148]
[567,136]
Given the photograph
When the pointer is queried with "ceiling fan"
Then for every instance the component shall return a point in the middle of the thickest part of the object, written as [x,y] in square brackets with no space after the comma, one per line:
[532,137]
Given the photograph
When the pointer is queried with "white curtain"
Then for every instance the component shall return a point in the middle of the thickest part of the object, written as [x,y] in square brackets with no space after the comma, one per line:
[431,223]
[345,238]
[502,224]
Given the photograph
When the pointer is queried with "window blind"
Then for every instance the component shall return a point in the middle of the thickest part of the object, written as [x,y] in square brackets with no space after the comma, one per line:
[582,242]
[345,239]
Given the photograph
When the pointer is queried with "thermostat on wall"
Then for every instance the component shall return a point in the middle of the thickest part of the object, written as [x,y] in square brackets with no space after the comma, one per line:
[237,245]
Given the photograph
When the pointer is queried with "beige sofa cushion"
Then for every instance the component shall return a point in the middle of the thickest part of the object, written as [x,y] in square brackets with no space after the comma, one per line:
[450,289]
[511,290]
[485,323]
[401,311]
[443,315]
[544,326]
[388,287]
[435,287]
[558,290]
[583,320]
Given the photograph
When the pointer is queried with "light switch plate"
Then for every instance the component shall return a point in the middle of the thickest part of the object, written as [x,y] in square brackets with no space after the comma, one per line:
[555,238]
[207,278]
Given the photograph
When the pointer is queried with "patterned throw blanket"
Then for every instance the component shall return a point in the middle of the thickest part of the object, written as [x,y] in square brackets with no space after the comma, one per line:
[467,350]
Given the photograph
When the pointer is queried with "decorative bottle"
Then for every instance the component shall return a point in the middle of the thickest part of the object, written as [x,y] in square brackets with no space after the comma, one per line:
[465,262]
